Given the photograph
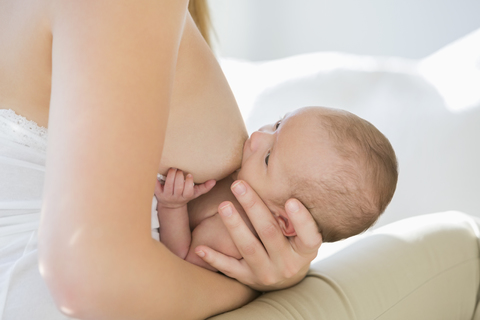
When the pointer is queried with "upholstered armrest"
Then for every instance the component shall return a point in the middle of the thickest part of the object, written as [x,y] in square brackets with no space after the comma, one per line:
[426,267]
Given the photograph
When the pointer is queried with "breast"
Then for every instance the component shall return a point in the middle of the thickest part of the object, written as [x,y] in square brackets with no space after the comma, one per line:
[205,132]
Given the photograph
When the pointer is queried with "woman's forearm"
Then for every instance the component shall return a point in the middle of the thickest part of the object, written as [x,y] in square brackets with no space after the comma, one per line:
[200,293]
[142,281]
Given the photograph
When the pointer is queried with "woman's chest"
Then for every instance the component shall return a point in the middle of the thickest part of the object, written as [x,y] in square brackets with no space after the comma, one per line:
[25,58]
[205,131]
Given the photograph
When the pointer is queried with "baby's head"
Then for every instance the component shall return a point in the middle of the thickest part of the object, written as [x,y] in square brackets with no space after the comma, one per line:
[338,165]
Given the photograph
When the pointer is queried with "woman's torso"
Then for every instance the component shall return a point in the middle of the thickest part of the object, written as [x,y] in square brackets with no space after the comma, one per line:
[205,132]
[204,117]
[25,58]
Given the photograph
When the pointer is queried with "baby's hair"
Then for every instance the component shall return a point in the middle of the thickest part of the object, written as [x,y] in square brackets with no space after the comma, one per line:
[349,199]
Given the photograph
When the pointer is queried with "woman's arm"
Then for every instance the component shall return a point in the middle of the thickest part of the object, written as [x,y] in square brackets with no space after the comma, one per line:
[113,64]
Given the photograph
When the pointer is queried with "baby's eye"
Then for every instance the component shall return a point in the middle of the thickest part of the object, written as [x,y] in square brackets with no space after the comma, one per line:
[266,158]
[277,124]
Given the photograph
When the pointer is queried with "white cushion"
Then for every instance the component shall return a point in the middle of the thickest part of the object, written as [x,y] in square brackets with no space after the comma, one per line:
[438,149]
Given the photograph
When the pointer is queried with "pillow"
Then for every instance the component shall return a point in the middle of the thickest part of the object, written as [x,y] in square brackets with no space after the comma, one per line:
[438,150]
[455,72]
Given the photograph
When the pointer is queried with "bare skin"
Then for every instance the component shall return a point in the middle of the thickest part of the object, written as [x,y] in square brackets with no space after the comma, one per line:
[203,113]
[189,214]
[102,76]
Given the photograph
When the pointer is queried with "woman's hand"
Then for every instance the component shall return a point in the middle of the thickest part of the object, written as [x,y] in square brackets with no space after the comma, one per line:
[279,262]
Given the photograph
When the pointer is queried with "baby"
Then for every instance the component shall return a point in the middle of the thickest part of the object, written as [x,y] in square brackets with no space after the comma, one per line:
[338,165]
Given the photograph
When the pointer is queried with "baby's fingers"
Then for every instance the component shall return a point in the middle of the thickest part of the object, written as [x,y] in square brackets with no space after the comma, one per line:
[170,182]
[188,192]
[203,188]
[158,188]
[179,183]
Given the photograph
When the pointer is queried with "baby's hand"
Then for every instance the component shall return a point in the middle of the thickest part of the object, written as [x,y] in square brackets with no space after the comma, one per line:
[176,192]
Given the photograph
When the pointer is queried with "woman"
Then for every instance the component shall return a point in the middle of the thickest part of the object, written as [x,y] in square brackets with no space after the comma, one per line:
[103,77]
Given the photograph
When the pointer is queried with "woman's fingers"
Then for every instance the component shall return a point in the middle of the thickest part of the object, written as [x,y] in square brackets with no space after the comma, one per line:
[247,244]
[308,238]
[229,266]
[275,262]
[259,214]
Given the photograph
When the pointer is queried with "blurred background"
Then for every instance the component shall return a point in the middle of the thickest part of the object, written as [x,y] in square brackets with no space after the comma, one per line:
[271,29]
[410,67]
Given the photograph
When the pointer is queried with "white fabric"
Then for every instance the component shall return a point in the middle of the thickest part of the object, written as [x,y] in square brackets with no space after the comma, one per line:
[23,294]
[23,131]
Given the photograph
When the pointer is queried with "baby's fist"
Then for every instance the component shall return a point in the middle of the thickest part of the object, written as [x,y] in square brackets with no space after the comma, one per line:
[177,190]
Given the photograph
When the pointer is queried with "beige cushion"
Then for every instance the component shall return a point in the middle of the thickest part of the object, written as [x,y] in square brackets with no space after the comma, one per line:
[425,267]
[477,310]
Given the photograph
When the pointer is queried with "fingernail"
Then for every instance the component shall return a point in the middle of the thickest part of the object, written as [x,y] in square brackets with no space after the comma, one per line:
[200,253]
[293,206]
[239,188]
[226,210]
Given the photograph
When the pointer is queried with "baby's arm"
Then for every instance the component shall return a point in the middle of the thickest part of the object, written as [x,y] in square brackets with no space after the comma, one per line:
[173,197]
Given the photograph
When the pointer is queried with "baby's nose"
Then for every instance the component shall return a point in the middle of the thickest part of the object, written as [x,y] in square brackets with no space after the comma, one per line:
[257,139]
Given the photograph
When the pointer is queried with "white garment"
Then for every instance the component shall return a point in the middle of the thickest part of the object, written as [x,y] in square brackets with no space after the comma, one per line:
[23,294]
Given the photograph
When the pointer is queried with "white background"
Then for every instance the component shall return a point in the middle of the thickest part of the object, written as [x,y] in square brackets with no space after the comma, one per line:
[271,29]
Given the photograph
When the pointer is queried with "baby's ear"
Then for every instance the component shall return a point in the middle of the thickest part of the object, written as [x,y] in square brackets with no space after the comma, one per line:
[287,227]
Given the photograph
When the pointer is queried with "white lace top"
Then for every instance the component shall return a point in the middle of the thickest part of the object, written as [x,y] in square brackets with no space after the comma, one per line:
[18,129]
[23,131]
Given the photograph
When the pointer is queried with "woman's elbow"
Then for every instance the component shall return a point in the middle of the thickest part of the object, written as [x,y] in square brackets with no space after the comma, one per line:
[64,289]
[74,291]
